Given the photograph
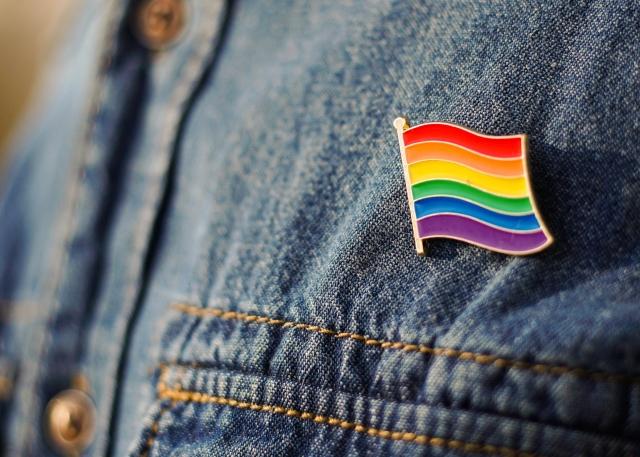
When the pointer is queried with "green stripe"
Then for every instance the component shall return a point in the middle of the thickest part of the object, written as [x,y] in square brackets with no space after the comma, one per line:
[458,189]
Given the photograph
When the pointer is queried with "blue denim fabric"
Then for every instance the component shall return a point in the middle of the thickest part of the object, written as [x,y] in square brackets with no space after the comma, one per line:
[217,235]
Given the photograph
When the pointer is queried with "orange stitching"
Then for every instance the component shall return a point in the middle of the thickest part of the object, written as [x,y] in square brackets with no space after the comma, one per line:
[154,433]
[482,359]
[161,387]
[179,395]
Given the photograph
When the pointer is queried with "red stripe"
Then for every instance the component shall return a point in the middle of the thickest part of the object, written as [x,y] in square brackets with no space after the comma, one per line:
[495,146]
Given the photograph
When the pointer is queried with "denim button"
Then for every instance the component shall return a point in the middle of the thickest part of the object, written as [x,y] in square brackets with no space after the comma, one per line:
[70,421]
[159,23]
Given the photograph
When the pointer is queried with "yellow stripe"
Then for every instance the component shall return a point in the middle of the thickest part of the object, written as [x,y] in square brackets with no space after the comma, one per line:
[441,169]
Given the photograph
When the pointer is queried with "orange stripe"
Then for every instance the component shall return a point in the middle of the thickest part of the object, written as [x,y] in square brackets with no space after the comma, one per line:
[437,150]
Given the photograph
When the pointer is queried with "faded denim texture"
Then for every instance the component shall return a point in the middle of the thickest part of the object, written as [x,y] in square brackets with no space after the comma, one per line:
[251,174]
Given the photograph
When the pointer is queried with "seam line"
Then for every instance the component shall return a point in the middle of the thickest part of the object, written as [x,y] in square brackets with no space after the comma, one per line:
[467,356]
[155,426]
[153,433]
[177,394]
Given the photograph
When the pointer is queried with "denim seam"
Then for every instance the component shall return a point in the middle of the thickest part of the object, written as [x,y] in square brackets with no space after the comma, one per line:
[155,426]
[177,395]
[153,433]
[466,356]
[189,374]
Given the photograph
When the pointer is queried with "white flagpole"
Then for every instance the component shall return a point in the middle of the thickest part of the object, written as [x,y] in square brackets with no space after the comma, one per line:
[401,125]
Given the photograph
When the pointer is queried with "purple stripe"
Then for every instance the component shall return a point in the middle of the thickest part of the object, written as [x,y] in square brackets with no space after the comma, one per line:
[472,231]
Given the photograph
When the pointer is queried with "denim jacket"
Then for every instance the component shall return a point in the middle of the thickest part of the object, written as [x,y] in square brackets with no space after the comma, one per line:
[216,235]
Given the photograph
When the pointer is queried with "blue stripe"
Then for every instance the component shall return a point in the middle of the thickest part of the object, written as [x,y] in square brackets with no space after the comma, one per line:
[439,205]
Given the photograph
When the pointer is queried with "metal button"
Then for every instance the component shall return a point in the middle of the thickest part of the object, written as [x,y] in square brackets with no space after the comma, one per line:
[70,421]
[6,386]
[159,22]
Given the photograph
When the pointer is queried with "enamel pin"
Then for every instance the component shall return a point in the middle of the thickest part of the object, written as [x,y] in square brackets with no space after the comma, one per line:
[470,187]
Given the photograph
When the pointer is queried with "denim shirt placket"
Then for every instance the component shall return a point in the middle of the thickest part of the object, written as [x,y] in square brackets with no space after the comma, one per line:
[95,301]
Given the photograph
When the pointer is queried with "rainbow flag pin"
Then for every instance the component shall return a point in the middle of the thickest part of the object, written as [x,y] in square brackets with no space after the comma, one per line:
[470,187]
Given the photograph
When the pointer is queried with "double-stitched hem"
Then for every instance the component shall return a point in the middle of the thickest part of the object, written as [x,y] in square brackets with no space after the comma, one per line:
[394,422]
